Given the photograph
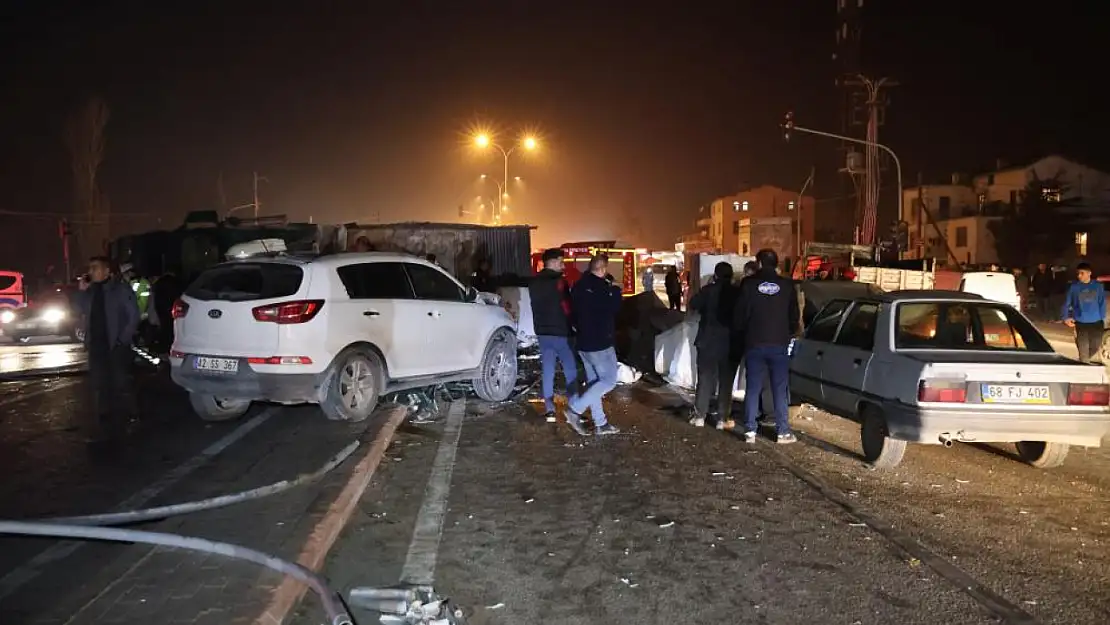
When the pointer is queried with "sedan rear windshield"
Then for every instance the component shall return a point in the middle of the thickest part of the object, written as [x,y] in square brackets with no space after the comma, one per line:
[243,282]
[965,326]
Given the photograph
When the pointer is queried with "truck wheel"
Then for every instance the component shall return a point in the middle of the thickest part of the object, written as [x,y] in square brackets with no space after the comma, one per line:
[213,409]
[497,373]
[1041,454]
[879,449]
[353,387]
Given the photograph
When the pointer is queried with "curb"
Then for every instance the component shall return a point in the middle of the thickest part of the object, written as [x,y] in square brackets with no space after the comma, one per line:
[287,596]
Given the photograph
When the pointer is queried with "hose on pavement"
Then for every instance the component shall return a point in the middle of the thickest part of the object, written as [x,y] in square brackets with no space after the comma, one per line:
[332,602]
[162,512]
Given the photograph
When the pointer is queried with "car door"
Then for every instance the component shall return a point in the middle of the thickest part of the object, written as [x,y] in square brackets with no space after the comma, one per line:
[383,310]
[809,351]
[455,328]
[846,361]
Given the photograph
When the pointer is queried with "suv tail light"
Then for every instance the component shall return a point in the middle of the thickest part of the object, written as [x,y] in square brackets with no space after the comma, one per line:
[288,312]
[180,309]
[942,391]
[1088,395]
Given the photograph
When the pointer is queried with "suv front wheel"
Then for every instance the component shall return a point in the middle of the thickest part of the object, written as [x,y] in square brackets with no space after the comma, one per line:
[497,373]
[352,389]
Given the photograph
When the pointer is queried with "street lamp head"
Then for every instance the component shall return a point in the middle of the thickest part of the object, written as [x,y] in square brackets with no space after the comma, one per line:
[530,143]
[482,140]
[483,176]
[517,178]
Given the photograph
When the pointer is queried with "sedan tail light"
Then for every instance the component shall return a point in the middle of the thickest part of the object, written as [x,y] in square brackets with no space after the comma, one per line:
[179,310]
[1088,395]
[942,391]
[288,312]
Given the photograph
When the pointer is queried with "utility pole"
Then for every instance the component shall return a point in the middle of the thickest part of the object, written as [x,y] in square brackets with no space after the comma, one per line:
[257,205]
[875,103]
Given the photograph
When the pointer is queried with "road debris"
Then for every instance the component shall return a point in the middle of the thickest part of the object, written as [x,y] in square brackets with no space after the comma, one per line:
[496,606]
[628,582]
[959,481]
[857,525]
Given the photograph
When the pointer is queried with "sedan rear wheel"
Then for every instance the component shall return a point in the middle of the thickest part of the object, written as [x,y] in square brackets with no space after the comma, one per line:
[212,408]
[1041,454]
[879,449]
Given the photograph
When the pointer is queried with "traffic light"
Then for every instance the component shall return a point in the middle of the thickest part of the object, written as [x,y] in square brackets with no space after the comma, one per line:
[787,125]
[901,232]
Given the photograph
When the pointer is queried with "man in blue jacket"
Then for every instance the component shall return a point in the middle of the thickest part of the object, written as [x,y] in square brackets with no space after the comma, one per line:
[595,301]
[109,319]
[1085,310]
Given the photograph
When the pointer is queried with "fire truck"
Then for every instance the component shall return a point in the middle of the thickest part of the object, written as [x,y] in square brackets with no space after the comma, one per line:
[622,262]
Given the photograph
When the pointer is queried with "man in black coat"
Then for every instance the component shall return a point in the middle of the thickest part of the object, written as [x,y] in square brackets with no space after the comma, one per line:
[770,317]
[551,314]
[596,301]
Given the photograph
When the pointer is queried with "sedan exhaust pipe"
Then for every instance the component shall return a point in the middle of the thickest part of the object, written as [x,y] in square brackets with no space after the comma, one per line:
[946,439]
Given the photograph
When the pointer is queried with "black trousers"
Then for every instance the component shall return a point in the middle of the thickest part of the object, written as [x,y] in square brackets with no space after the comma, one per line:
[1088,340]
[675,300]
[113,396]
[715,376]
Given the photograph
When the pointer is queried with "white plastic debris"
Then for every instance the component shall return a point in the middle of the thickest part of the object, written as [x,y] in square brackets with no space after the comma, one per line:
[628,582]
[958,480]
[626,374]
[667,524]
[496,606]
[857,525]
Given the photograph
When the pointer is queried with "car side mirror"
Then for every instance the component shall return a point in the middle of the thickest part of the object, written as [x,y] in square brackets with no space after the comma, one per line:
[471,294]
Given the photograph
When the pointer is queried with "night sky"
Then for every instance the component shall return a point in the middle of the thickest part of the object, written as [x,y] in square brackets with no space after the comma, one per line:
[359,113]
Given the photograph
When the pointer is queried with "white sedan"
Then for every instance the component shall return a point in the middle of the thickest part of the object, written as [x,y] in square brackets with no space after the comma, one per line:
[937,367]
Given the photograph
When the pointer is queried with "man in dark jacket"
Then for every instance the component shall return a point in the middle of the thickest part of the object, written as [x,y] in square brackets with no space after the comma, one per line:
[551,311]
[109,320]
[716,369]
[673,287]
[596,301]
[769,314]
[1041,282]
[166,290]
[738,349]
[1021,283]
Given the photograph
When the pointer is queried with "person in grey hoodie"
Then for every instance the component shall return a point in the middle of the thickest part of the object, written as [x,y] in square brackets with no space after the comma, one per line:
[109,320]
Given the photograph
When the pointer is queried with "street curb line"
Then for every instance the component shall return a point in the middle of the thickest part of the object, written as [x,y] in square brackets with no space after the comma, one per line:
[287,596]
[996,604]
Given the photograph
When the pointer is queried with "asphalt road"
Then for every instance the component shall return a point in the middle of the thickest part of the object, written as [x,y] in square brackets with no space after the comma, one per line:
[38,357]
[666,523]
[663,523]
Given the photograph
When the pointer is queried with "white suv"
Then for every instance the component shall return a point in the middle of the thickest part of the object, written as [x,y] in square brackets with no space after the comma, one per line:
[338,330]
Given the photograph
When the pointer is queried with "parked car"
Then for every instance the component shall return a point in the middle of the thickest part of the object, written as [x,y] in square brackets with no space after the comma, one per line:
[992,285]
[51,315]
[937,367]
[336,330]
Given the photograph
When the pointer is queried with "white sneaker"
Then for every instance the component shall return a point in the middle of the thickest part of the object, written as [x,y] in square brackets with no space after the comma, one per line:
[749,437]
[698,422]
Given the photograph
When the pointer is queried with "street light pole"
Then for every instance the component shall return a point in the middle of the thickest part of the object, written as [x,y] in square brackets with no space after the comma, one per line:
[801,195]
[484,140]
[790,127]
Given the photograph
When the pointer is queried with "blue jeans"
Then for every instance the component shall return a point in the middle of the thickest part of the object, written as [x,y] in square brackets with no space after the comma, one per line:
[552,348]
[772,361]
[601,374]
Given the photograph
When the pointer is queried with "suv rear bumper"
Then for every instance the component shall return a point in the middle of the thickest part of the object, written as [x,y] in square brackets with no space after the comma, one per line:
[280,388]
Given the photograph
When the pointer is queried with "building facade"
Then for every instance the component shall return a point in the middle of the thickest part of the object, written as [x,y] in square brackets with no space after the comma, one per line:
[720,221]
[950,222]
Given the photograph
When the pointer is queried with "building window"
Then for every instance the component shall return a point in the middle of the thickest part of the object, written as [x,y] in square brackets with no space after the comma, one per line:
[981,201]
[1013,199]
[961,236]
[1051,194]
[944,207]
[736,206]
[1081,243]
[736,227]
[990,179]
[744,205]
[790,205]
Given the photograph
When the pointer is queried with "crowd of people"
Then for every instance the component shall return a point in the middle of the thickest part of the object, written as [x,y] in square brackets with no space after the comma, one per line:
[575,323]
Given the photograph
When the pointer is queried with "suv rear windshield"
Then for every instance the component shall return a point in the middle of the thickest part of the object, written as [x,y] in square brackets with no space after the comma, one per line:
[243,282]
[965,325]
